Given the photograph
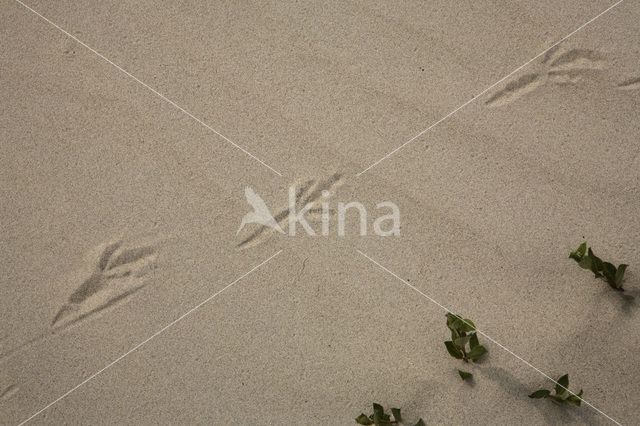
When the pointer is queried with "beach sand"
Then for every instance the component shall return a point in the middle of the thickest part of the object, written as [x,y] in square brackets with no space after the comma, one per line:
[123,183]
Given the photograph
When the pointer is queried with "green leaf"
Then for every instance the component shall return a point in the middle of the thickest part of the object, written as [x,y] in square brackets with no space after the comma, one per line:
[461,342]
[468,325]
[450,320]
[396,414]
[473,341]
[542,393]
[609,271]
[562,384]
[378,409]
[362,419]
[558,401]
[378,414]
[458,325]
[464,375]
[578,253]
[476,353]
[575,399]
[596,262]
[619,275]
[453,350]
[420,423]
[455,322]
[454,332]
[585,262]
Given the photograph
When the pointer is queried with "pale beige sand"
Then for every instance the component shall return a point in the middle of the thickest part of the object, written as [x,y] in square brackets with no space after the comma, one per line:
[491,200]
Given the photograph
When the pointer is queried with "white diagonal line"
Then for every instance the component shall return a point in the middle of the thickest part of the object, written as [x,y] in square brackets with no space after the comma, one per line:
[160,95]
[500,345]
[157,333]
[491,87]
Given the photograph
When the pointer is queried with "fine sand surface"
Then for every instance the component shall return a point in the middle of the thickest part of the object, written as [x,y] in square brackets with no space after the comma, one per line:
[119,211]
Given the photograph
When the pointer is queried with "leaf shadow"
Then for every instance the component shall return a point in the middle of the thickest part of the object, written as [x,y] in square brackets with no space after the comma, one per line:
[626,301]
[629,305]
[595,338]
[507,381]
[423,390]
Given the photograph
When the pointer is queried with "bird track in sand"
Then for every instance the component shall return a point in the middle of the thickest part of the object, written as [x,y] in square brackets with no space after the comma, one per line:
[110,274]
[309,191]
[561,67]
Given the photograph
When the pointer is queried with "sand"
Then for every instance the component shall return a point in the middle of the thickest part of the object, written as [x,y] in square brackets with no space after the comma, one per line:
[120,210]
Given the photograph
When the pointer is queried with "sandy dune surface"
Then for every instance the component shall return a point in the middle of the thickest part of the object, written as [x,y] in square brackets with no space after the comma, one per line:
[128,143]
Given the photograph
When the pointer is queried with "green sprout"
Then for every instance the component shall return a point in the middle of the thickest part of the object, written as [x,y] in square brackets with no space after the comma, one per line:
[562,395]
[463,333]
[605,270]
[379,417]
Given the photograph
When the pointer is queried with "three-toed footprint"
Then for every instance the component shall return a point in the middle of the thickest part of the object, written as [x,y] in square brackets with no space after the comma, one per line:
[112,273]
[310,191]
[560,67]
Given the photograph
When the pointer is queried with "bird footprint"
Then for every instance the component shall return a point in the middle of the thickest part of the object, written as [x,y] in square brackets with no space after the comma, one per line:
[112,273]
[308,192]
[561,68]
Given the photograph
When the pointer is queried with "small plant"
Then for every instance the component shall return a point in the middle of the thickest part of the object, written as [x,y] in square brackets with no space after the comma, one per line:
[379,417]
[605,270]
[562,395]
[463,334]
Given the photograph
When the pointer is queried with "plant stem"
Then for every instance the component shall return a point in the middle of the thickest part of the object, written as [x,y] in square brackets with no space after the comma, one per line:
[608,281]
[613,285]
